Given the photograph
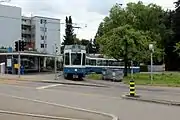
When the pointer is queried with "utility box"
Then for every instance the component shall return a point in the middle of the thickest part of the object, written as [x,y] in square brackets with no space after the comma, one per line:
[112,74]
[3,68]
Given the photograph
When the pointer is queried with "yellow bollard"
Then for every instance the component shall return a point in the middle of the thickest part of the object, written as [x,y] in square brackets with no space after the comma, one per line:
[132,88]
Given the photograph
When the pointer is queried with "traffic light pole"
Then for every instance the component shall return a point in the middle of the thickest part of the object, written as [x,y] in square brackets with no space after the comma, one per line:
[19,60]
[55,64]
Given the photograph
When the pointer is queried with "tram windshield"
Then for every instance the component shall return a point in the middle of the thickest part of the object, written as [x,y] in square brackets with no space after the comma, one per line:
[75,58]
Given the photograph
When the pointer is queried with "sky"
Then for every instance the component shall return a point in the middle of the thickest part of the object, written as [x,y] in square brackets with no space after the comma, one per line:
[86,14]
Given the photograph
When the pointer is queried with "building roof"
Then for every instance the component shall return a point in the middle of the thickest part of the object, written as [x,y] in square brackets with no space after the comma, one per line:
[47,17]
[29,54]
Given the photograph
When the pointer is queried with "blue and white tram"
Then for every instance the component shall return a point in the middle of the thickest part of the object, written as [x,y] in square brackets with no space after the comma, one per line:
[74,61]
[98,64]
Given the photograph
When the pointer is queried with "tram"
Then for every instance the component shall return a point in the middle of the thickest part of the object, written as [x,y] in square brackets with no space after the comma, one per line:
[97,65]
[74,58]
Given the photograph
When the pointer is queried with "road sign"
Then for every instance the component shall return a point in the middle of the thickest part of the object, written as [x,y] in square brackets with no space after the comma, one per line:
[16,66]
[9,63]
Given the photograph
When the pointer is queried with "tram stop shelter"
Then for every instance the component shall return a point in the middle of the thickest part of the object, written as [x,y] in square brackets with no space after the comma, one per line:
[31,61]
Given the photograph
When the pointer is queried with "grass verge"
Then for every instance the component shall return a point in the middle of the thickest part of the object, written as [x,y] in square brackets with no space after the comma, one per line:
[94,76]
[159,79]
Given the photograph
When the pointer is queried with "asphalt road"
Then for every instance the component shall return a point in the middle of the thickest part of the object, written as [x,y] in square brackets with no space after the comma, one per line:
[94,98]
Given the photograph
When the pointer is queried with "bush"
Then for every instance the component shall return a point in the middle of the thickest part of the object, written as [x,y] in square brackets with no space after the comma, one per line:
[143,68]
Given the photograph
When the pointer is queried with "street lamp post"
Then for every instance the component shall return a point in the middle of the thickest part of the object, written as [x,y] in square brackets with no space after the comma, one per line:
[151,48]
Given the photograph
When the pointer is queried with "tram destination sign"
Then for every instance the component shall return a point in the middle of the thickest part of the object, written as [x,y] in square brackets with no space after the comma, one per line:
[76,50]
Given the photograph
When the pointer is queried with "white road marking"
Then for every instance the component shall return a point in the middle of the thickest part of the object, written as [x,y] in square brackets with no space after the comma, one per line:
[48,86]
[61,105]
[37,115]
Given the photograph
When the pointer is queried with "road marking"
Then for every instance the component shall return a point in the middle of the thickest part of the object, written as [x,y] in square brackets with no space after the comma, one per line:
[61,105]
[36,115]
[48,86]
[74,92]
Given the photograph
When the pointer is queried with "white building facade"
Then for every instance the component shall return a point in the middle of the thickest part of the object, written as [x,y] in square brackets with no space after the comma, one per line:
[40,33]
[10,25]
[46,32]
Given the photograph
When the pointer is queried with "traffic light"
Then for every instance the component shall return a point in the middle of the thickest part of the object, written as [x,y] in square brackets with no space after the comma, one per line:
[20,45]
[16,46]
[23,44]
[56,49]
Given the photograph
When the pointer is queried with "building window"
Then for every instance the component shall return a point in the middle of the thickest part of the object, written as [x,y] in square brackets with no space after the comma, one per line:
[23,28]
[43,21]
[43,29]
[42,45]
[23,20]
[42,37]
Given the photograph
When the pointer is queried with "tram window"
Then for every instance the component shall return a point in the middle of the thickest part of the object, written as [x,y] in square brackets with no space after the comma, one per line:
[121,63]
[99,63]
[76,58]
[104,62]
[110,63]
[67,59]
[84,59]
[93,62]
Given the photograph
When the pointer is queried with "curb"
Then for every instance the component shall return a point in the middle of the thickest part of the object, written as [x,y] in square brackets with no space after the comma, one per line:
[65,106]
[54,81]
[165,102]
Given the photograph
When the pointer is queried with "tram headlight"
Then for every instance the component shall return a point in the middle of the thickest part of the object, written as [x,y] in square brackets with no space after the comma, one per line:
[75,70]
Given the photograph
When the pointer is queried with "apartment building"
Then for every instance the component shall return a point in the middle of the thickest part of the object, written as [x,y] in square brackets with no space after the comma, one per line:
[40,33]
[10,25]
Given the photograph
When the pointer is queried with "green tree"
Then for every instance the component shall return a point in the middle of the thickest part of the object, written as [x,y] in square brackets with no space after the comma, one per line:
[126,32]
[89,46]
[69,32]
[124,42]
[69,37]
[98,34]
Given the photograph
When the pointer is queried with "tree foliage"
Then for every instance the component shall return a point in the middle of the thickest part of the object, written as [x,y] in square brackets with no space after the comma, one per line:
[69,32]
[172,46]
[89,46]
[69,37]
[141,23]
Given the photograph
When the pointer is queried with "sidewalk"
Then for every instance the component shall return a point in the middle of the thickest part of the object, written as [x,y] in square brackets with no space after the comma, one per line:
[156,94]
[138,87]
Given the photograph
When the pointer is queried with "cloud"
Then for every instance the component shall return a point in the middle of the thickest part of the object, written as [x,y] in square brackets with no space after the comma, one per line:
[90,12]
[101,6]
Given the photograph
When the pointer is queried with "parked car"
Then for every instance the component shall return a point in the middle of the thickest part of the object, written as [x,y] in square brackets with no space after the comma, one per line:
[112,74]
